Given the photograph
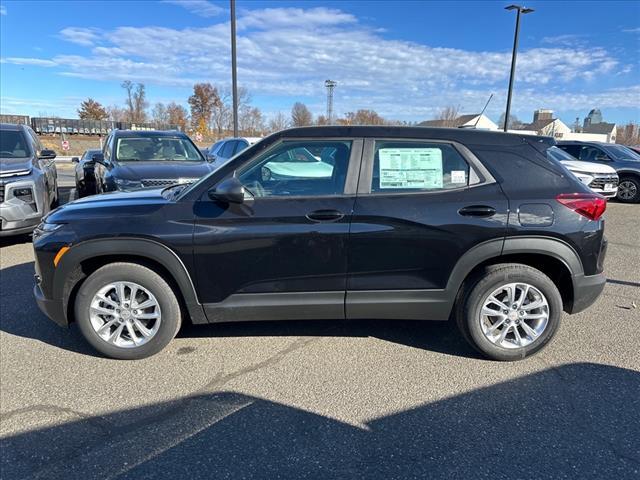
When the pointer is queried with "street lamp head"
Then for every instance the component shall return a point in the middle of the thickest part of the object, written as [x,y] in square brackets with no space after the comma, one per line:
[520,8]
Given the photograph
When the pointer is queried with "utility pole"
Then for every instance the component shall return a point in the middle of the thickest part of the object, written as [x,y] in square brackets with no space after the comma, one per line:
[520,10]
[330,84]
[234,72]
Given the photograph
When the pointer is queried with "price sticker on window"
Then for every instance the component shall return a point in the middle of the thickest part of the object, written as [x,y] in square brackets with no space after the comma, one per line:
[410,168]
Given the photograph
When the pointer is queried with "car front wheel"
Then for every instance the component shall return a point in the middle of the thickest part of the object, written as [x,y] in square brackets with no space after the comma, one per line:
[509,311]
[127,311]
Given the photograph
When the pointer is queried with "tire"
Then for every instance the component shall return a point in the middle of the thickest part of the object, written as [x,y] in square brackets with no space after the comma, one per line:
[167,308]
[474,326]
[629,190]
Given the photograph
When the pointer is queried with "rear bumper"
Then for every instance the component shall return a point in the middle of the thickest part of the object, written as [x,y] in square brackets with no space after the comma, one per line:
[51,308]
[586,290]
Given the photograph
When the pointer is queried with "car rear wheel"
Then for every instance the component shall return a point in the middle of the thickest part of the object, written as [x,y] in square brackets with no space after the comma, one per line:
[629,190]
[127,311]
[509,311]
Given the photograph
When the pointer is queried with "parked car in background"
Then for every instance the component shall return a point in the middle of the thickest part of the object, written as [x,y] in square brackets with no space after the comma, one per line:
[221,151]
[84,173]
[143,159]
[28,179]
[413,223]
[625,161]
[635,148]
[599,177]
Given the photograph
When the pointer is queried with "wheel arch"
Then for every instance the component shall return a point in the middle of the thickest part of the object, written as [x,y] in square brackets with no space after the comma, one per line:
[86,257]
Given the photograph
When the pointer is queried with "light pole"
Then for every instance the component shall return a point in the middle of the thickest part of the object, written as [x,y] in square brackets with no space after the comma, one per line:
[234,73]
[520,10]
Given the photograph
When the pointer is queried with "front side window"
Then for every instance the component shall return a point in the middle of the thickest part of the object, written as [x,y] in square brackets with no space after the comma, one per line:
[145,149]
[13,144]
[417,166]
[303,168]
[227,150]
[592,154]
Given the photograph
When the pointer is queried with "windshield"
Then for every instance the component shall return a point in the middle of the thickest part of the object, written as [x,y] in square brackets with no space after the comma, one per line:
[620,152]
[89,154]
[558,154]
[12,144]
[154,149]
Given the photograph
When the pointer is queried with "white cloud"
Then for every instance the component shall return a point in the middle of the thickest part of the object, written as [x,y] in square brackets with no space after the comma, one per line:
[631,30]
[289,52]
[80,36]
[202,8]
[38,62]
[3,10]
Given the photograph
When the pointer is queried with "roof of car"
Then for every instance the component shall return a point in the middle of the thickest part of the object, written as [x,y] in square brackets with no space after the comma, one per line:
[11,126]
[149,133]
[463,135]
[580,142]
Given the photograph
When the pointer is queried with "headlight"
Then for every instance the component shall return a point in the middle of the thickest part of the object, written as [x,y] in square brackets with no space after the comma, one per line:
[124,183]
[584,177]
[46,228]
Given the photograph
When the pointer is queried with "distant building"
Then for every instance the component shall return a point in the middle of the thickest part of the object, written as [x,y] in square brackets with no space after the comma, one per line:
[542,114]
[544,124]
[602,128]
[593,118]
[474,120]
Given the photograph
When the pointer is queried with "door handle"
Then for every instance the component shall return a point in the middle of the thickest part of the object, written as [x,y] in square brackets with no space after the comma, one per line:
[325,216]
[477,211]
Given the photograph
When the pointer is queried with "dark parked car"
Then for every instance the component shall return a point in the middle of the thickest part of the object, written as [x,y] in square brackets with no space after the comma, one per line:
[133,159]
[84,173]
[625,161]
[412,223]
[28,180]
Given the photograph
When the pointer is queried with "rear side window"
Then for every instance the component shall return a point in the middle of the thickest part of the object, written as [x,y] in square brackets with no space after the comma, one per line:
[417,166]
[227,150]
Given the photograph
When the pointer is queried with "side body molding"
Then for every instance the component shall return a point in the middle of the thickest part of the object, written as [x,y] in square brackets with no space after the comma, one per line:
[66,274]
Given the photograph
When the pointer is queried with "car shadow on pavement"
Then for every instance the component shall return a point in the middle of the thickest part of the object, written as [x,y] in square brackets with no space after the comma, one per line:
[21,316]
[574,421]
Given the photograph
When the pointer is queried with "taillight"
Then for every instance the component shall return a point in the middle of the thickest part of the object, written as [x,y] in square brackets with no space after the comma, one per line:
[590,205]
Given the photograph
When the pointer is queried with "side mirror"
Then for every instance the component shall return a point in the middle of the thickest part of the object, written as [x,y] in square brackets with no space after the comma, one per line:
[98,158]
[75,160]
[228,191]
[47,154]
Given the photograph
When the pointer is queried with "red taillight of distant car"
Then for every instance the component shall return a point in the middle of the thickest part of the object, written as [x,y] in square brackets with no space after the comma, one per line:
[588,205]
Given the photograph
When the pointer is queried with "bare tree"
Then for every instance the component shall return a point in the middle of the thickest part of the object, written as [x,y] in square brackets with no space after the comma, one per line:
[300,115]
[514,122]
[159,114]
[278,122]
[628,134]
[362,117]
[116,114]
[449,115]
[251,120]
[92,110]
[322,120]
[136,101]
[221,113]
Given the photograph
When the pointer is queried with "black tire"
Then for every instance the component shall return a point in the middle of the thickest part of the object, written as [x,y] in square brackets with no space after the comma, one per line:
[480,286]
[630,183]
[171,317]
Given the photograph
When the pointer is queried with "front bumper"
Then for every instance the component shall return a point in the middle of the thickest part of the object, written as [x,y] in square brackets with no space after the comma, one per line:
[51,308]
[586,290]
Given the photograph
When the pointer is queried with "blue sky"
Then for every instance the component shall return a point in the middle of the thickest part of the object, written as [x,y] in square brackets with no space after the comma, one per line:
[406,60]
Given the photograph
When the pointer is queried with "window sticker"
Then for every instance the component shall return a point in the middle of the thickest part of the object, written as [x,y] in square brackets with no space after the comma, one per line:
[410,167]
[458,176]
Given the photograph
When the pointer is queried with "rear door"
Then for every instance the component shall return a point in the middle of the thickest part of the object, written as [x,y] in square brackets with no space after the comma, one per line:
[421,205]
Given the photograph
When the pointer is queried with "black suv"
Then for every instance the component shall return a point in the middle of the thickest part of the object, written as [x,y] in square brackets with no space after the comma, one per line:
[358,223]
[133,159]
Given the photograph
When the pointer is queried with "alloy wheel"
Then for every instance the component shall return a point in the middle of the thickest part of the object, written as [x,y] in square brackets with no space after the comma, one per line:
[125,314]
[627,190]
[514,315]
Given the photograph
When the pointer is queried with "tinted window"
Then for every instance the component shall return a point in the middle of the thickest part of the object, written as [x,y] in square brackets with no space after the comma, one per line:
[240,146]
[573,150]
[13,144]
[305,168]
[417,166]
[620,152]
[558,154]
[140,149]
[227,150]
[590,154]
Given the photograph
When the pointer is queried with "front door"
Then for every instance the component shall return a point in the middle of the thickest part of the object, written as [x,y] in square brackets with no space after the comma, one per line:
[421,205]
[282,254]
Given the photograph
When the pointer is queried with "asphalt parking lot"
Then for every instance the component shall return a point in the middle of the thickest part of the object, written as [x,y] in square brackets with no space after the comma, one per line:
[378,399]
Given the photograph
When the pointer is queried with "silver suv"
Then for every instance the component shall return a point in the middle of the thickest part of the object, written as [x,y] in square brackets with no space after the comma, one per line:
[28,179]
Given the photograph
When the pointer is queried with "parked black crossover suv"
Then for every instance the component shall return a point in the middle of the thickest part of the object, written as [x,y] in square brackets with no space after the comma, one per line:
[133,159]
[397,223]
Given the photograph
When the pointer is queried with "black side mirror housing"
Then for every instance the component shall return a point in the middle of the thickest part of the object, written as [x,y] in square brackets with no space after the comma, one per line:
[98,158]
[228,191]
[47,154]
[75,160]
